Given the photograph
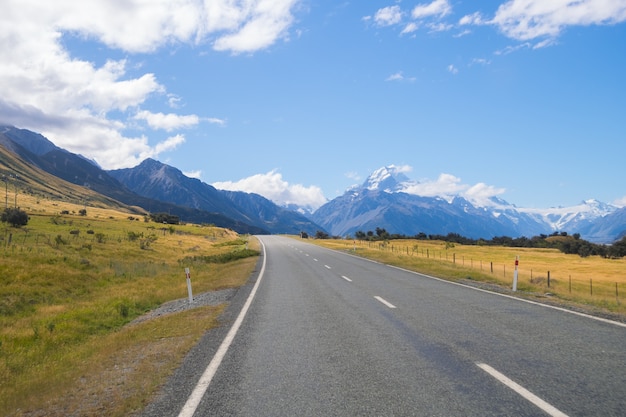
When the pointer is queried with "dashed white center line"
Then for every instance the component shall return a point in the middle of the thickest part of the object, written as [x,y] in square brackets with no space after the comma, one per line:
[327,267]
[315,259]
[346,278]
[548,408]
[385,302]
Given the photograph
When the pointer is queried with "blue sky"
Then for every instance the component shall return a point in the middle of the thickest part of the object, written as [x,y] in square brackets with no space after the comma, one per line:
[300,99]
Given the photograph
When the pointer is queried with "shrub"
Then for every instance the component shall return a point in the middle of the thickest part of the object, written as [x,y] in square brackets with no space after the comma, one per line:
[15,217]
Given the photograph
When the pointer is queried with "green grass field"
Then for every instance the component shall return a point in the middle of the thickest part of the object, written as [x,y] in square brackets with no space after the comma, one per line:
[594,281]
[70,284]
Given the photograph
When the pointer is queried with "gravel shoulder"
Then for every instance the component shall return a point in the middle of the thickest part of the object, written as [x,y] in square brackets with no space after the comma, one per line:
[211,298]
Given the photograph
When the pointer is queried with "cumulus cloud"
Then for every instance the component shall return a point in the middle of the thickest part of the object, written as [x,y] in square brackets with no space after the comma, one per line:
[530,19]
[448,186]
[87,107]
[388,16]
[168,121]
[620,202]
[481,193]
[425,14]
[535,23]
[272,186]
[438,8]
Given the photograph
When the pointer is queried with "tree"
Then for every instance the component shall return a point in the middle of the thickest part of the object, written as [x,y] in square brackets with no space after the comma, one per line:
[15,217]
[321,235]
[382,233]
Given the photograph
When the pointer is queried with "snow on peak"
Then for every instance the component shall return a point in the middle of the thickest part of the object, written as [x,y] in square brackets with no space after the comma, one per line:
[387,178]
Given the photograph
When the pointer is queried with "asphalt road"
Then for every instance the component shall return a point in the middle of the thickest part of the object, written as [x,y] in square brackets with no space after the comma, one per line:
[329,334]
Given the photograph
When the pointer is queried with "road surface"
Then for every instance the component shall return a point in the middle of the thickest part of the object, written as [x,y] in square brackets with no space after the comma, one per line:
[330,334]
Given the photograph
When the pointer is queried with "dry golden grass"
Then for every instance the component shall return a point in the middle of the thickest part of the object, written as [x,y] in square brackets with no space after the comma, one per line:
[70,284]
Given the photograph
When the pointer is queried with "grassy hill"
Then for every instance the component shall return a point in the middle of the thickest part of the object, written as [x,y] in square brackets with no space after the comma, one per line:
[71,283]
[20,177]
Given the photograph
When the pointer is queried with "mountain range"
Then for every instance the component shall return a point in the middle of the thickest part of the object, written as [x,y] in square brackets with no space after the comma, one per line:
[384,200]
[152,186]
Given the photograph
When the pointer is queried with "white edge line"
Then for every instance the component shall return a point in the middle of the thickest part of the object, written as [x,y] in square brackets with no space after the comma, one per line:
[203,384]
[385,302]
[577,313]
[346,278]
[546,407]
[589,316]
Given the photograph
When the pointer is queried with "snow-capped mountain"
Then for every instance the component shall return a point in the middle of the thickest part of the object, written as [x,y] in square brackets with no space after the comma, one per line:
[387,200]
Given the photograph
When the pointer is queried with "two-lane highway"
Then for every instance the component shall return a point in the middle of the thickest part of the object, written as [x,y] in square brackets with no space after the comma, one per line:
[329,334]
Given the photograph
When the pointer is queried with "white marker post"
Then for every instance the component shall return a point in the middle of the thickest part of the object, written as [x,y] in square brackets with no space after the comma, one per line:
[189,285]
[515,274]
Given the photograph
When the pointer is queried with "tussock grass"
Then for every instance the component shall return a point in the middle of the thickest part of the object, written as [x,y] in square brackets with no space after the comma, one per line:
[594,281]
[69,285]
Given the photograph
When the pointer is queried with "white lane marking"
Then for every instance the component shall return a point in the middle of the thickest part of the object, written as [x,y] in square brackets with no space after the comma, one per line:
[327,267]
[315,259]
[564,310]
[346,278]
[548,408]
[203,384]
[385,302]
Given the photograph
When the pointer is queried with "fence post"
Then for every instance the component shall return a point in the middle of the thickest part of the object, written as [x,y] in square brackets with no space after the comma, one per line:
[548,279]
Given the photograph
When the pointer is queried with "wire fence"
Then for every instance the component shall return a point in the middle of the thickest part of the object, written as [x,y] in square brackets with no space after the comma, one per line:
[556,281]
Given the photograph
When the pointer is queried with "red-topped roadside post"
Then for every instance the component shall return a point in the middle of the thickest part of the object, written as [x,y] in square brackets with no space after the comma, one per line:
[515,274]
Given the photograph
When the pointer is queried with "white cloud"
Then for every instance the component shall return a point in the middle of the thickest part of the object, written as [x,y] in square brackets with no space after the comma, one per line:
[410,28]
[252,26]
[513,48]
[426,14]
[480,193]
[472,19]
[168,121]
[529,19]
[193,174]
[215,121]
[87,107]
[388,16]
[169,144]
[399,76]
[480,61]
[620,202]
[452,69]
[272,186]
[448,186]
[439,8]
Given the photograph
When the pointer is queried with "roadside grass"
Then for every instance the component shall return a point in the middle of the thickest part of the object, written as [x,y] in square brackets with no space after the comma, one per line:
[71,283]
[592,281]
